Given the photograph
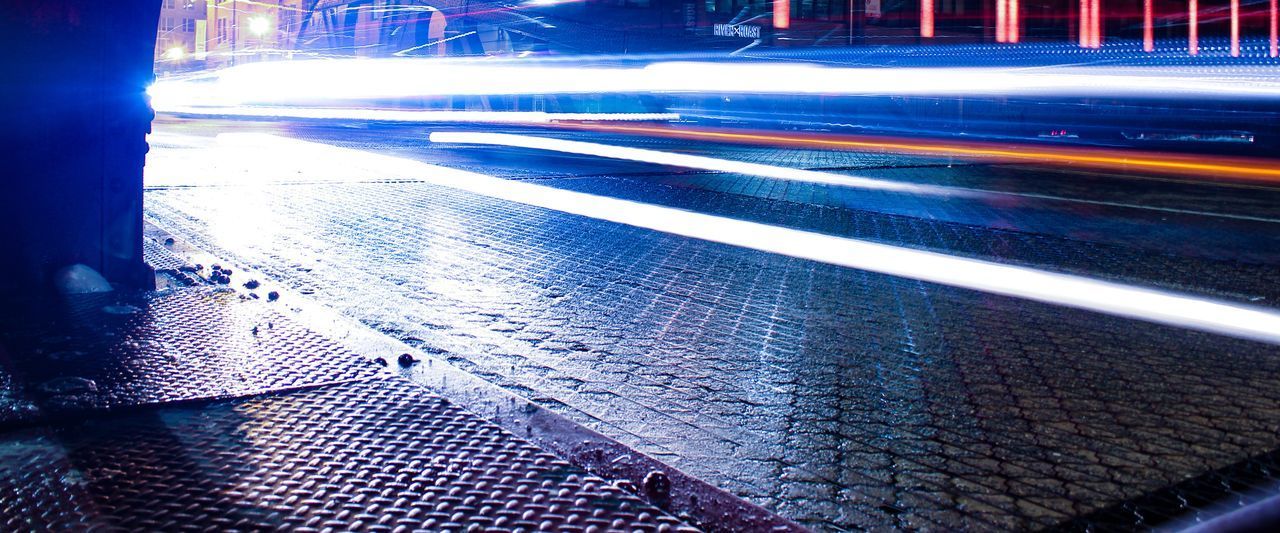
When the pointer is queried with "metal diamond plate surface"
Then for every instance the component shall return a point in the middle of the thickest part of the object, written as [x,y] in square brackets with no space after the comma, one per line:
[128,348]
[160,258]
[378,455]
[840,399]
[1194,500]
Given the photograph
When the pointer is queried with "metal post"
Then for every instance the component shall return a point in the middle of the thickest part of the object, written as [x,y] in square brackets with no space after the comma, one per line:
[857,21]
[74,124]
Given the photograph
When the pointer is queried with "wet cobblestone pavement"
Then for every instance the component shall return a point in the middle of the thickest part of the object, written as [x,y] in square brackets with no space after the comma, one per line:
[840,398]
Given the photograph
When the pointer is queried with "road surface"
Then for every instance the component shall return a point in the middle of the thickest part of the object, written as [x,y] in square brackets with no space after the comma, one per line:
[839,397]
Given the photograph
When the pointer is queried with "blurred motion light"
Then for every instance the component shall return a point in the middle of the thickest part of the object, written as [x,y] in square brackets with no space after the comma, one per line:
[416,116]
[1187,311]
[696,161]
[345,80]
[275,155]
[175,53]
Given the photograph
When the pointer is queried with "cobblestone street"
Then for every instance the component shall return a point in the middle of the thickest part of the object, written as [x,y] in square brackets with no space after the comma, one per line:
[839,398]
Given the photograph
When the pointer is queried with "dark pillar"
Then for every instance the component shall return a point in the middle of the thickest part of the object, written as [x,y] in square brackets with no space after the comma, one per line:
[73,120]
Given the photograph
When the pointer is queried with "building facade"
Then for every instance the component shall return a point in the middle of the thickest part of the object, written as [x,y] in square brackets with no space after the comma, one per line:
[220,33]
[241,31]
[180,35]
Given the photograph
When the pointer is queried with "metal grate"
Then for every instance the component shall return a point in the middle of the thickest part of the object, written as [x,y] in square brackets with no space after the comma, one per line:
[129,349]
[378,455]
[837,398]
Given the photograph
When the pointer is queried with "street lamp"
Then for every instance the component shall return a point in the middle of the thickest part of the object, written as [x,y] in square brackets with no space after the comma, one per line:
[175,53]
[259,26]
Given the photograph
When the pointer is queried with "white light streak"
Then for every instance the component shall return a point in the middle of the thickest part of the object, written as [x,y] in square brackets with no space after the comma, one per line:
[1111,298]
[406,51]
[395,115]
[694,161]
[285,82]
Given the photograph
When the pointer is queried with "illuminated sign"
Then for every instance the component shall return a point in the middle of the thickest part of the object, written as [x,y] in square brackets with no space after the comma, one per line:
[736,30]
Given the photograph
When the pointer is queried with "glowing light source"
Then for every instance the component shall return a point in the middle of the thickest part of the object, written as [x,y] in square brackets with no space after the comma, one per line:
[1002,20]
[1275,30]
[926,18]
[1083,29]
[175,53]
[781,14]
[1008,25]
[1013,31]
[1090,23]
[1193,27]
[1148,22]
[259,26]
[1235,28]
[1095,23]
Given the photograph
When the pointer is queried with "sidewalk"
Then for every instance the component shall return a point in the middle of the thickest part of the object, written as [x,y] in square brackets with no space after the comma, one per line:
[197,406]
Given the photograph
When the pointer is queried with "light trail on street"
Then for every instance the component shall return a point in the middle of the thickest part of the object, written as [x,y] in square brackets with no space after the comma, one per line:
[1200,166]
[367,79]
[782,173]
[1111,298]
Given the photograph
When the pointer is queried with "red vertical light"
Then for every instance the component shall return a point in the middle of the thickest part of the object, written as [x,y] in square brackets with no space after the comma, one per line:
[926,18]
[1275,31]
[1084,23]
[781,14]
[1095,30]
[1012,25]
[1148,32]
[1235,28]
[1002,20]
[1193,28]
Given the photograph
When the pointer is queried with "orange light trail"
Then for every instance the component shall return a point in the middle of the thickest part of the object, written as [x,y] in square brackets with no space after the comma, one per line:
[1203,167]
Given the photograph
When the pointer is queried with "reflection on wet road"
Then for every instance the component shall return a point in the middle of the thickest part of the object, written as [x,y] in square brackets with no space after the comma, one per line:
[837,396]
